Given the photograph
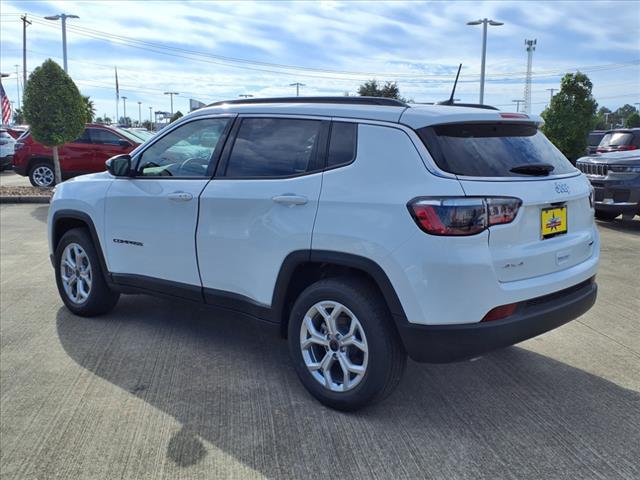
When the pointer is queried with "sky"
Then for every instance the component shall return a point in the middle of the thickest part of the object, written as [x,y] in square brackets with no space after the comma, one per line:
[213,51]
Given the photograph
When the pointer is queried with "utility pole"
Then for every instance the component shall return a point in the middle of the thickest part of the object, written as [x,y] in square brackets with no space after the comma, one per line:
[171,94]
[18,83]
[484,22]
[139,113]
[124,102]
[531,46]
[25,22]
[518,102]
[63,17]
[297,85]
[550,90]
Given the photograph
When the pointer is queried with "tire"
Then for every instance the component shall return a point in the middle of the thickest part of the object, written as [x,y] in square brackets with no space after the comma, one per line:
[42,174]
[606,215]
[91,295]
[376,372]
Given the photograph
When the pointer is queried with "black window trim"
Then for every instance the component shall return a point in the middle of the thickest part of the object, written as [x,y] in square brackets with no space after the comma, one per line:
[355,147]
[213,161]
[319,155]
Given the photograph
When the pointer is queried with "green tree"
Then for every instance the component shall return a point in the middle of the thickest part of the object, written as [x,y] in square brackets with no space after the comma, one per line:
[89,107]
[54,109]
[148,125]
[372,88]
[126,121]
[632,121]
[603,119]
[571,115]
[176,116]
[18,116]
[623,113]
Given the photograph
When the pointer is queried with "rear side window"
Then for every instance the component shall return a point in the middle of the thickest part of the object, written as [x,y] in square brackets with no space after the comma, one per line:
[491,149]
[342,144]
[274,147]
[595,138]
[103,137]
[84,138]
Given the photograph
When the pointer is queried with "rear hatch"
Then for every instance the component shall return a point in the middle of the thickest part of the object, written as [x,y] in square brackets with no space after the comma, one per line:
[553,229]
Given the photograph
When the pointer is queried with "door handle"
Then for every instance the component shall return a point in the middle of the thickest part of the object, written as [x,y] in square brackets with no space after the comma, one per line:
[290,199]
[180,196]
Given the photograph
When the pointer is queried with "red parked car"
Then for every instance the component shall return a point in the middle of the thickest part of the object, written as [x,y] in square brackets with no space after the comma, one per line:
[86,154]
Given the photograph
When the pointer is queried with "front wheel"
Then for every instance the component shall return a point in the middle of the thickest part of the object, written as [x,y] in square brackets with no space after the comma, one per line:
[344,346]
[79,277]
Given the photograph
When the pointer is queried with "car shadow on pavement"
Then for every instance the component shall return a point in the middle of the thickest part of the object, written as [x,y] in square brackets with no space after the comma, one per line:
[40,213]
[620,225]
[228,381]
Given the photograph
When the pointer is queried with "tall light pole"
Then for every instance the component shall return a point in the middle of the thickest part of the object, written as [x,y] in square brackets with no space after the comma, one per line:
[150,119]
[124,104]
[484,22]
[297,85]
[531,46]
[245,95]
[63,17]
[171,94]
[550,90]
[18,83]
[139,113]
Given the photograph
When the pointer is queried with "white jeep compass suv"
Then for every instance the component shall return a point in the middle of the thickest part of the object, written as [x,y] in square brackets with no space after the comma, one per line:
[368,229]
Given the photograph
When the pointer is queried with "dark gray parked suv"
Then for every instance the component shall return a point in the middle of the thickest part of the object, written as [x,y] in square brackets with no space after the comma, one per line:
[615,178]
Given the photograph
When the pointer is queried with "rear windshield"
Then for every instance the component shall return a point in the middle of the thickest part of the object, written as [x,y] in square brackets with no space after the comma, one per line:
[616,138]
[491,149]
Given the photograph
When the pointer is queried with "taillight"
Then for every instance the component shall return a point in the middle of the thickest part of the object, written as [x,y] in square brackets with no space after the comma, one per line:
[627,147]
[459,216]
[18,146]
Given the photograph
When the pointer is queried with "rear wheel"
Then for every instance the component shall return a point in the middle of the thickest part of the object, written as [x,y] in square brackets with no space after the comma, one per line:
[606,215]
[79,276]
[343,344]
[42,175]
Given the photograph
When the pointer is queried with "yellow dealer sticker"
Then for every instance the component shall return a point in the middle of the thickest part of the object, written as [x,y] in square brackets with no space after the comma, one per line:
[554,221]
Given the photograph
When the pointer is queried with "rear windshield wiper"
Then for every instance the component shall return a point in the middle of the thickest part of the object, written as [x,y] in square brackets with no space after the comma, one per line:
[533,169]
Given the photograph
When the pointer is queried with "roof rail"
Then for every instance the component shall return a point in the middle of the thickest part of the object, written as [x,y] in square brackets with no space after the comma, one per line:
[389,102]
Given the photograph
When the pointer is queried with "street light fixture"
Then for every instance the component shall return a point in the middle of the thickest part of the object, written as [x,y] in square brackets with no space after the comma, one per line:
[139,113]
[171,94]
[63,17]
[484,22]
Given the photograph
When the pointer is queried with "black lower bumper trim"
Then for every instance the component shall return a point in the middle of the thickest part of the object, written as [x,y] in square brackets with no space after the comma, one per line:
[450,343]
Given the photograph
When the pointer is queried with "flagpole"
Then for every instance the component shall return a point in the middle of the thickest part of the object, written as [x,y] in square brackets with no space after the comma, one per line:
[117,97]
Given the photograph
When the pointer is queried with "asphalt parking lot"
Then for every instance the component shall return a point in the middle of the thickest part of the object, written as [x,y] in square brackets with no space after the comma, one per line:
[159,389]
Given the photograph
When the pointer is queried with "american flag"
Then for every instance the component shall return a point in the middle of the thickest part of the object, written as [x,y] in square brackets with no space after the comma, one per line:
[6,106]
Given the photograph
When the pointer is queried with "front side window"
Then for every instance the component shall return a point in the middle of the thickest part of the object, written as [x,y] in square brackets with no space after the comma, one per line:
[103,137]
[274,147]
[185,151]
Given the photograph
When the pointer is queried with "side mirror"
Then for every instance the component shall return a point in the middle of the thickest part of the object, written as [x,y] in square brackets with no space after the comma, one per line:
[123,143]
[119,166]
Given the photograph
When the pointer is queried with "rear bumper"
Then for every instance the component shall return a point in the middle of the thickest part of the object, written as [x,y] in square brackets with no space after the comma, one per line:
[450,343]
[20,170]
[6,161]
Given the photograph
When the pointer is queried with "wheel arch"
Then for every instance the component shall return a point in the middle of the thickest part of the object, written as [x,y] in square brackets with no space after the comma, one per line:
[35,159]
[65,220]
[302,268]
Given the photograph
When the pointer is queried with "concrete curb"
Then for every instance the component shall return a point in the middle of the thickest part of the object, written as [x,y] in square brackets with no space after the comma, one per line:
[24,199]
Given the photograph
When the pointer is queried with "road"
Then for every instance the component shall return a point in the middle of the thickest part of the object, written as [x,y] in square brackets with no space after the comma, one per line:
[166,390]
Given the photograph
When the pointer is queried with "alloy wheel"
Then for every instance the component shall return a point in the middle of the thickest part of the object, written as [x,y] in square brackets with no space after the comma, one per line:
[334,346]
[75,273]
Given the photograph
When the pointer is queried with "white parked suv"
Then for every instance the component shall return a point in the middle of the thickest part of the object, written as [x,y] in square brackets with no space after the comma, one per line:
[368,229]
